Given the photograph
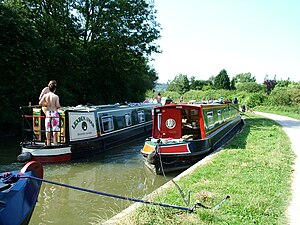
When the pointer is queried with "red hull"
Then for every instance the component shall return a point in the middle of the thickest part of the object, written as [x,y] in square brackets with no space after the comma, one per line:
[52,159]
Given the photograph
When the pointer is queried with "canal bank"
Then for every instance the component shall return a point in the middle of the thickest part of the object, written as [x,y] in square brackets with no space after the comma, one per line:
[124,216]
[259,183]
[292,129]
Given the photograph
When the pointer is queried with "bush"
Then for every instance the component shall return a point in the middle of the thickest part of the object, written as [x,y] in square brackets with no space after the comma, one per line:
[280,96]
[250,87]
[255,99]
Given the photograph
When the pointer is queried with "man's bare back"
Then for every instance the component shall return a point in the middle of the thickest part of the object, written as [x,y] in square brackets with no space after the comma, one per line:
[52,101]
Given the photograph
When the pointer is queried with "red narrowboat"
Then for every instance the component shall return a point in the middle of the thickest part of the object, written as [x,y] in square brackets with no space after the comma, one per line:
[183,134]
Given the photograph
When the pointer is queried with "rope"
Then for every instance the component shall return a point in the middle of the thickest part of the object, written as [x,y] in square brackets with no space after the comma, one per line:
[112,195]
[187,201]
[12,178]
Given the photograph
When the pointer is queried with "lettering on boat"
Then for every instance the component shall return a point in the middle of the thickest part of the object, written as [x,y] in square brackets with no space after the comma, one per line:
[82,125]
[82,119]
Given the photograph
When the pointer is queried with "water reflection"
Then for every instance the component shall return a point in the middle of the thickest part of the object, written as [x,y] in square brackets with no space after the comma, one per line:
[119,172]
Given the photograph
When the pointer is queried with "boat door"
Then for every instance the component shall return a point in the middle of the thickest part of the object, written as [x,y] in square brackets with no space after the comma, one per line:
[170,123]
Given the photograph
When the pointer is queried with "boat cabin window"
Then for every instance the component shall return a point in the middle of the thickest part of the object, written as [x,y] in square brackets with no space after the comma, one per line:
[194,112]
[141,116]
[107,123]
[158,121]
[220,119]
[210,119]
[128,119]
[190,124]
[210,115]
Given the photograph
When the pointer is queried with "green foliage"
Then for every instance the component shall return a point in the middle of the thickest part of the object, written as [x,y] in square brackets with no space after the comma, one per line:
[200,96]
[232,84]
[279,96]
[222,80]
[285,96]
[291,111]
[283,83]
[180,84]
[244,77]
[250,87]
[255,99]
[98,51]
[199,84]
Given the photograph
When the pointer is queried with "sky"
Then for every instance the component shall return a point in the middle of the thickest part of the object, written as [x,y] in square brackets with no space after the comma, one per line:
[201,37]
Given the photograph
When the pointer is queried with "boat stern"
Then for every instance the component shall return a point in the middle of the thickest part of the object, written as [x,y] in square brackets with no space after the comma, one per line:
[149,146]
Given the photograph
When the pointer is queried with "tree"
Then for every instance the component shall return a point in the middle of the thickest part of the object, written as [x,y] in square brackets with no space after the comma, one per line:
[98,51]
[198,84]
[232,84]
[251,87]
[180,84]
[244,77]
[269,84]
[222,81]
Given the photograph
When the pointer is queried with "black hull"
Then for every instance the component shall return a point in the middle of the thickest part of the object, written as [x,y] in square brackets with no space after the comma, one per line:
[165,164]
[101,144]
[161,163]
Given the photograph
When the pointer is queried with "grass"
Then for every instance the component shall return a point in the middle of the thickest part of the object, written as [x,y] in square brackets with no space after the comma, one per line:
[292,111]
[254,169]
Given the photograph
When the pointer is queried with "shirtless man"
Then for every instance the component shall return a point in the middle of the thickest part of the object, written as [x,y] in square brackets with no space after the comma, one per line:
[45,91]
[51,101]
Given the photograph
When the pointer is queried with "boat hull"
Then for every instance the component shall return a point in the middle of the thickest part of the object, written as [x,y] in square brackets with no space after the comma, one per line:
[81,149]
[19,198]
[168,155]
[86,131]
[45,154]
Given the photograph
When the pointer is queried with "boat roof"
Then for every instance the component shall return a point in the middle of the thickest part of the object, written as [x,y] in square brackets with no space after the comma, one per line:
[194,105]
[105,107]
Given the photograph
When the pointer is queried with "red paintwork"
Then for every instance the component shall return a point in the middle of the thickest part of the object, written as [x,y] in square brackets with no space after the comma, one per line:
[201,124]
[176,131]
[36,167]
[52,159]
[174,149]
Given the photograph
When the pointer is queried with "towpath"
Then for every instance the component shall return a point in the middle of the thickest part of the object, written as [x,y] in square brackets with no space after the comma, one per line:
[292,129]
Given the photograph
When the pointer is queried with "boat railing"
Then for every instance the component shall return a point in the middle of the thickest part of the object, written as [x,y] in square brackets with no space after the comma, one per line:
[33,126]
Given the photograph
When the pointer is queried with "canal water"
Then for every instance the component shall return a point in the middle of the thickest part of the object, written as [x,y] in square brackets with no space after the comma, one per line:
[120,171]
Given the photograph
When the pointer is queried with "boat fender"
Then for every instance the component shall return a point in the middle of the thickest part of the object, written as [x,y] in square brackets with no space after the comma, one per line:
[24,157]
[151,157]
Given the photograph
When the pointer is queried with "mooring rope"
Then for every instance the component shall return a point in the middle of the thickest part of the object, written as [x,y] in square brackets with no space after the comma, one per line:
[187,201]
[13,178]
[112,195]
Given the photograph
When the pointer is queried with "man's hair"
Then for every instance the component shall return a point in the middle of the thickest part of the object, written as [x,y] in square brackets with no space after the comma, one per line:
[52,87]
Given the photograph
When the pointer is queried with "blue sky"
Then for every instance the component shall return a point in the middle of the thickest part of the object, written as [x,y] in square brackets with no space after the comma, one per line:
[202,37]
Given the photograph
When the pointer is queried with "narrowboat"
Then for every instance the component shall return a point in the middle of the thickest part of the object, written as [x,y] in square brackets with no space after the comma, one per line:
[19,193]
[183,134]
[84,130]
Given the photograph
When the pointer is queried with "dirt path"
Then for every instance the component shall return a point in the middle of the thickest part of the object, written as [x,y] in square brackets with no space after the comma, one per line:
[292,129]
